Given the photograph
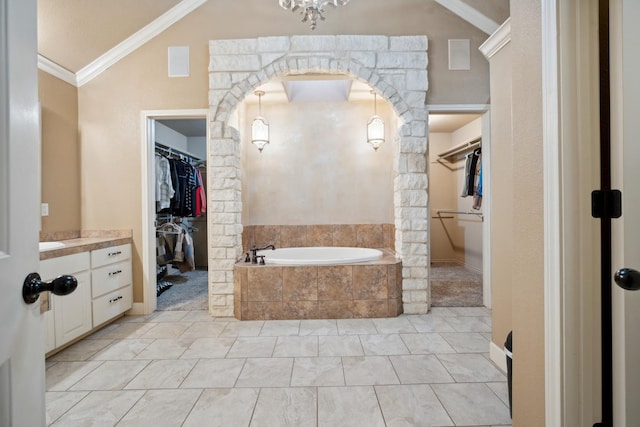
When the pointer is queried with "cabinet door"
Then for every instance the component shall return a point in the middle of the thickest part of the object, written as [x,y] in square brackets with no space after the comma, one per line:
[72,313]
[49,329]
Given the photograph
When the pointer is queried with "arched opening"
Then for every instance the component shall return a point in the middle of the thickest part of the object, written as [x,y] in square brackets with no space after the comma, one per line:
[395,67]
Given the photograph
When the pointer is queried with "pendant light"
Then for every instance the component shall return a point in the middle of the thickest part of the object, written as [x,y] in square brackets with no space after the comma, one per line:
[375,127]
[260,126]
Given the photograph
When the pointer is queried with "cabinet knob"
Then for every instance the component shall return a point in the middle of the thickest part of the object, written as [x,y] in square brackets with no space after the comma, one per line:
[33,285]
[114,253]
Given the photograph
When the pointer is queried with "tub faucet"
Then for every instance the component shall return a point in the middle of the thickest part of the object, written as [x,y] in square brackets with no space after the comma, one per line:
[254,252]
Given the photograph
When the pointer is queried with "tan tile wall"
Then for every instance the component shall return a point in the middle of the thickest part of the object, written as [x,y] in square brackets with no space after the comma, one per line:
[378,236]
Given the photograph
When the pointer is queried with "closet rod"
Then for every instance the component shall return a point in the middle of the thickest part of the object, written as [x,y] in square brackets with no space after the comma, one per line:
[461,148]
[171,150]
[479,214]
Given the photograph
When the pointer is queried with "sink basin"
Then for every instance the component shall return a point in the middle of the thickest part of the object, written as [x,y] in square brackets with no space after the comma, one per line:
[47,246]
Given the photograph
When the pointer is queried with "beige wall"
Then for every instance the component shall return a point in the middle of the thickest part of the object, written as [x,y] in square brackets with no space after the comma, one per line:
[60,154]
[516,195]
[468,250]
[500,195]
[528,230]
[442,195]
[110,105]
[318,167]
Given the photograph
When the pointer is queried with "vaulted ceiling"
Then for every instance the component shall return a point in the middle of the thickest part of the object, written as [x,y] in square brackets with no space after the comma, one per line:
[75,33]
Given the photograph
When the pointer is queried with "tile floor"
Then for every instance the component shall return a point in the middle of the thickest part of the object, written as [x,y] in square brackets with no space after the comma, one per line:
[183,368]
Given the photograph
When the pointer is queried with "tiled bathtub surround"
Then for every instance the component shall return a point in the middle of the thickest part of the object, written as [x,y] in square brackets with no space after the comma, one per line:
[294,236]
[396,67]
[372,289]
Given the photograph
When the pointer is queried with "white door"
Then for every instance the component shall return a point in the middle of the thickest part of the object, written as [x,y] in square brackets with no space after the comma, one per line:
[625,100]
[21,327]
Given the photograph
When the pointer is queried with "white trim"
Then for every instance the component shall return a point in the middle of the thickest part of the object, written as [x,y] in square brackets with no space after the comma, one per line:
[457,108]
[498,356]
[137,309]
[138,39]
[148,174]
[469,14]
[497,40]
[486,211]
[50,67]
[553,237]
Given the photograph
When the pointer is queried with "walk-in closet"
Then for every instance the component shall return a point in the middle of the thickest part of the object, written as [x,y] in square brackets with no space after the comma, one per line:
[456,210]
[181,214]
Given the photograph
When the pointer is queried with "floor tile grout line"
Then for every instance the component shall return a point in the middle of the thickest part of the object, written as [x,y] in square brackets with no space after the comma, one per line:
[130,408]
[71,407]
[195,402]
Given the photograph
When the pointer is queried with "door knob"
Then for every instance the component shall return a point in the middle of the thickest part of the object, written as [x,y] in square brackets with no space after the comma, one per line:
[33,285]
[628,278]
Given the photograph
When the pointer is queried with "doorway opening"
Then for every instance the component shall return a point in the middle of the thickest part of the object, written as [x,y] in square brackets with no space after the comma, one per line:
[181,214]
[175,259]
[457,182]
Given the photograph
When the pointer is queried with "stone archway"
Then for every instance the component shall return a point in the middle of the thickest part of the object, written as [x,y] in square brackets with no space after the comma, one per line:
[396,67]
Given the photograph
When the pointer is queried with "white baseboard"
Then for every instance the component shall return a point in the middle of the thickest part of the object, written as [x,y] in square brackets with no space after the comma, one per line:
[137,309]
[498,357]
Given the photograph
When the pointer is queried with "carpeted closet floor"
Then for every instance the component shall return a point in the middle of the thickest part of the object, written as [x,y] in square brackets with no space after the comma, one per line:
[189,292]
[453,285]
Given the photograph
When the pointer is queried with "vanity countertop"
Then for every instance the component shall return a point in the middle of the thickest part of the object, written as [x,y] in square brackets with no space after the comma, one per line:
[84,244]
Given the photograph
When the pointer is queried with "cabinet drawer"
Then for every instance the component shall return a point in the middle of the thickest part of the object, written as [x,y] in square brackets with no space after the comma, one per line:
[105,256]
[68,264]
[109,306]
[110,277]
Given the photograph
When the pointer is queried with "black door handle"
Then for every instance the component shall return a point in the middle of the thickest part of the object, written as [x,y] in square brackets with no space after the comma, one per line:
[628,278]
[33,285]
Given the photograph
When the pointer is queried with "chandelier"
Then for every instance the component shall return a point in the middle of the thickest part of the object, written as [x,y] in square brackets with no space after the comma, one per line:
[311,10]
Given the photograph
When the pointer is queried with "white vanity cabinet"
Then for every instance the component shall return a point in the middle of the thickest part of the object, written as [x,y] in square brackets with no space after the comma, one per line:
[70,315]
[111,282]
[105,290]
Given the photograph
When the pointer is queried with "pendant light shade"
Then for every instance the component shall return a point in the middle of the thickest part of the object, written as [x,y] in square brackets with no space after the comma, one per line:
[375,127]
[260,126]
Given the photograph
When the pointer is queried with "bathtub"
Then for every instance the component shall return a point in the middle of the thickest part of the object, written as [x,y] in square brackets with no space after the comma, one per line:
[320,255]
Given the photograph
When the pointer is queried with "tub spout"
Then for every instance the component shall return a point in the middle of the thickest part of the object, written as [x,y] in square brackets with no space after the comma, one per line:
[254,252]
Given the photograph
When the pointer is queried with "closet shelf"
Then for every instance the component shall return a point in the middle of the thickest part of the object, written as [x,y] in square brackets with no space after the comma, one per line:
[460,149]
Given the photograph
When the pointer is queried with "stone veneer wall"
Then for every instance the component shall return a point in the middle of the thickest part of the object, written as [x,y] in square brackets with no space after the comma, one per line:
[396,67]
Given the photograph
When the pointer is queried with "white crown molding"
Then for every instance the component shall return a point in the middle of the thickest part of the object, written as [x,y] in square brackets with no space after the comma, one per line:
[458,108]
[138,39]
[497,40]
[48,66]
[469,14]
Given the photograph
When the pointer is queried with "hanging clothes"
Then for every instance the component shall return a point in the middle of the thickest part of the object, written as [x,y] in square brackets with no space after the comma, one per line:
[477,198]
[201,199]
[470,173]
[174,245]
[185,185]
[164,185]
